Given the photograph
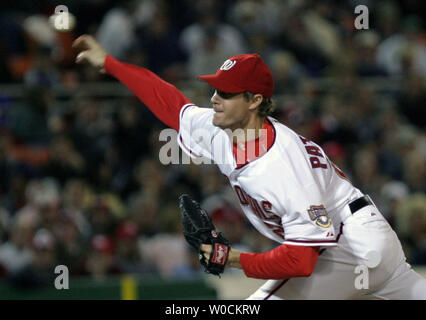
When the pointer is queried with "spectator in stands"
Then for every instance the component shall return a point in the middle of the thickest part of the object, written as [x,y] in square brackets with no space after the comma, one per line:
[40,271]
[104,214]
[402,53]
[365,50]
[100,260]
[116,32]
[127,254]
[71,245]
[159,41]
[209,54]
[411,222]
[144,211]
[210,31]
[167,250]
[28,121]
[65,162]
[16,253]
[412,99]
[43,72]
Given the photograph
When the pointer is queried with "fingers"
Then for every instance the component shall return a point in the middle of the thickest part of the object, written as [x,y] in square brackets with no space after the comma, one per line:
[206,249]
[90,51]
[79,42]
[81,57]
[84,42]
[91,41]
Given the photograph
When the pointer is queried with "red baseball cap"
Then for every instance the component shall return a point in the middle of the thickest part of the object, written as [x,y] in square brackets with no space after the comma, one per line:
[245,72]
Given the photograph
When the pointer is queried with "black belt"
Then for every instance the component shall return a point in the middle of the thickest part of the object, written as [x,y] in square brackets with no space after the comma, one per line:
[359,204]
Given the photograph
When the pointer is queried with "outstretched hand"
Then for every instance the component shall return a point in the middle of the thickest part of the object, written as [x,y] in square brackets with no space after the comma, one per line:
[90,51]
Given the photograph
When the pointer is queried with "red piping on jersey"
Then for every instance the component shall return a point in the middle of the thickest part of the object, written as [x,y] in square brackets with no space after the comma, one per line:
[321,241]
[184,109]
[188,150]
[340,232]
[311,241]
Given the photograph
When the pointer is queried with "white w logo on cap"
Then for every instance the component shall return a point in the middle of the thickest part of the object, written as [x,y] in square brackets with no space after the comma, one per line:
[228,64]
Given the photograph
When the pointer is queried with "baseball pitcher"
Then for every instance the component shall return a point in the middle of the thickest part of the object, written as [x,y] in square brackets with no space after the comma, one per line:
[287,187]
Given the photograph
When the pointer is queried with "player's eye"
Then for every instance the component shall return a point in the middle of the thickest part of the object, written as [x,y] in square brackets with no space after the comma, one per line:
[227,95]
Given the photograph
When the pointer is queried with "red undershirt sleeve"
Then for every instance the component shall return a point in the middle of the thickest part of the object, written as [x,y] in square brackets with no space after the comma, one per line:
[284,262]
[162,98]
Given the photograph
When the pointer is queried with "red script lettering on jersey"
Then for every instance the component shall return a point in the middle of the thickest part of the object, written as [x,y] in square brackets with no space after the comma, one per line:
[262,211]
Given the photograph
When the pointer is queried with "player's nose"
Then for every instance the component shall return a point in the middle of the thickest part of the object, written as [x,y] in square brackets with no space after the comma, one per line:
[215,98]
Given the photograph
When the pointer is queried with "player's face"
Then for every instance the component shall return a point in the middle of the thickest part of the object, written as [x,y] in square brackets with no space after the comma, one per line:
[231,110]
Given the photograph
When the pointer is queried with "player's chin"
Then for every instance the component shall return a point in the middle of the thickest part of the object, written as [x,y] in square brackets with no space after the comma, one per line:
[218,119]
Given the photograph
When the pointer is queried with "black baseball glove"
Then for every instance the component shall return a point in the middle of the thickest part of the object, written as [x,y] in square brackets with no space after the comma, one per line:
[198,229]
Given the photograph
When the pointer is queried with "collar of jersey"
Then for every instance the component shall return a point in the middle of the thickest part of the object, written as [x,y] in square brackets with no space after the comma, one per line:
[267,137]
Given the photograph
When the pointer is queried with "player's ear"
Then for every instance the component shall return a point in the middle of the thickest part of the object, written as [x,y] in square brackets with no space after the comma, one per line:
[255,101]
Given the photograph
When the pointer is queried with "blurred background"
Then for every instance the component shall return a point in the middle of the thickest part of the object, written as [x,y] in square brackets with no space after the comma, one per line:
[81,183]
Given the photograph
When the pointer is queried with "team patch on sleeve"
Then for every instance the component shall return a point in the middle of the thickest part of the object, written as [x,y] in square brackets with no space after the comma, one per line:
[320,216]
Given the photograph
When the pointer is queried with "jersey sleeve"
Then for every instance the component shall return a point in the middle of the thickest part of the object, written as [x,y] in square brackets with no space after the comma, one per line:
[196,131]
[161,97]
[307,221]
[283,262]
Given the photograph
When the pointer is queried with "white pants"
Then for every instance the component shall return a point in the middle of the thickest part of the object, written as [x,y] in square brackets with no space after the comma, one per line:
[367,263]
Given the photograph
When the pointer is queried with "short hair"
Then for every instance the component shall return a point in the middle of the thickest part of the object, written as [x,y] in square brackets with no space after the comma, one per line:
[265,108]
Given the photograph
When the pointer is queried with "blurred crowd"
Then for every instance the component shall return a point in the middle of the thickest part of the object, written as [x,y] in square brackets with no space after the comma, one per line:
[80,180]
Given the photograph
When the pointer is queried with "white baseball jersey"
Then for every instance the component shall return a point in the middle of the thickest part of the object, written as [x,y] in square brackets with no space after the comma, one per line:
[289,194]
[294,195]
